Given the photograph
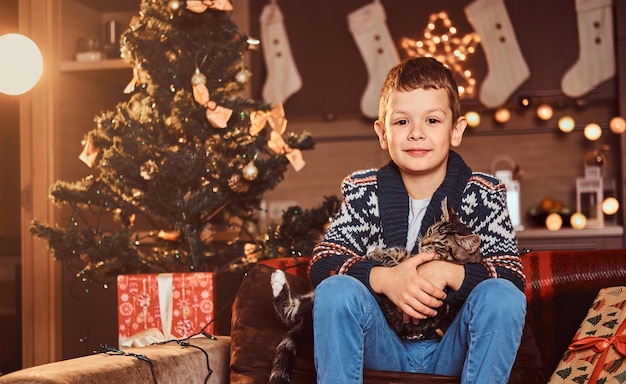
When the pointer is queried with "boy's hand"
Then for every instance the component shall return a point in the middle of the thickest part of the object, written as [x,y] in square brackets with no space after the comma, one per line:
[443,274]
[414,295]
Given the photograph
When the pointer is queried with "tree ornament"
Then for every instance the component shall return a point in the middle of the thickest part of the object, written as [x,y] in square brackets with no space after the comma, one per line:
[216,115]
[199,6]
[243,76]
[148,169]
[238,185]
[198,78]
[174,5]
[275,117]
[250,171]
[90,153]
[253,43]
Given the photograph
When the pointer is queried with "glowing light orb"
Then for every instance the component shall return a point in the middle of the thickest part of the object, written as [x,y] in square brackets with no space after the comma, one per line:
[502,115]
[610,206]
[554,222]
[617,125]
[578,220]
[593,131]
[473,119]
[566,124]
[21,64]
[544,112]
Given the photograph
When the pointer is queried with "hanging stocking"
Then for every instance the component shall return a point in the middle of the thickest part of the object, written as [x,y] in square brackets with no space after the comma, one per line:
[596,58]
[367,25]
[507,67]
[283,79]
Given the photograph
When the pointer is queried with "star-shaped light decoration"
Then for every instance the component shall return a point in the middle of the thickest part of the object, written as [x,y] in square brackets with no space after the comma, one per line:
[440,41]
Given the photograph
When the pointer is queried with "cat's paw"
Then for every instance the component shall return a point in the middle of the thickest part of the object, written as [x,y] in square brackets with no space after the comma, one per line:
[278,280]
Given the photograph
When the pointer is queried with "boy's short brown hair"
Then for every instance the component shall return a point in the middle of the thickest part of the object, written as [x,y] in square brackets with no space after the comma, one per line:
[420,72]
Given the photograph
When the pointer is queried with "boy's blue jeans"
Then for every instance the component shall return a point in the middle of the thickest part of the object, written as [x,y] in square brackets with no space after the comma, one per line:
[351,334]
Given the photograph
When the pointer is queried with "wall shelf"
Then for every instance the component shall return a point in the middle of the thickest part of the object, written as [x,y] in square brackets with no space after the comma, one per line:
[568,238]
[96,65]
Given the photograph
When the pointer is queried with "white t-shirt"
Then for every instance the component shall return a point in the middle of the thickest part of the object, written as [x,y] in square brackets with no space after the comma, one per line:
[417,209]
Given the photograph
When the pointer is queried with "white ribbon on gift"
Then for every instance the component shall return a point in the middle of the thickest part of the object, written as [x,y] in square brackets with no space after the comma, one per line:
[166,302]
[165,285]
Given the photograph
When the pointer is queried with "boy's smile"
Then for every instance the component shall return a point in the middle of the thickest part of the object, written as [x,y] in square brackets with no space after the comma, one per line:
[418,132]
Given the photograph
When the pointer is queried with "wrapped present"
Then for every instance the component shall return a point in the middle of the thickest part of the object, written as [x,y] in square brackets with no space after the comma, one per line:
[597,353]
[158,307]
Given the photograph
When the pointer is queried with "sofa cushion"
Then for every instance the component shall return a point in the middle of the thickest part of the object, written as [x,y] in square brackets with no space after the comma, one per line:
[256,331]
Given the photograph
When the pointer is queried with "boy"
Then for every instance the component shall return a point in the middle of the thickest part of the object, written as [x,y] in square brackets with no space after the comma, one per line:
[419,120]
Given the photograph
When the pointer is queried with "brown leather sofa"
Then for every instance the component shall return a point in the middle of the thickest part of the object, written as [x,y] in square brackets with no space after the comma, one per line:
[560,288]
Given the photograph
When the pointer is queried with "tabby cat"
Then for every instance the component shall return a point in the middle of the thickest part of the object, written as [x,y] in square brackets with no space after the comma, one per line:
[449,239]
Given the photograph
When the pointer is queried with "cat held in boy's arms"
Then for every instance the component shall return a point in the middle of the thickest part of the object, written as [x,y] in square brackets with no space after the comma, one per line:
[449,239]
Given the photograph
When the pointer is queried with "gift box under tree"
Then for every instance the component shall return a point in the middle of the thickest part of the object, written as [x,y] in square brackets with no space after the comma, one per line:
[598,350]
[158,307]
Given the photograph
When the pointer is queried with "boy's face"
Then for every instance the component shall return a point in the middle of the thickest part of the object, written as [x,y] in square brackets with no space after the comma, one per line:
[418,131]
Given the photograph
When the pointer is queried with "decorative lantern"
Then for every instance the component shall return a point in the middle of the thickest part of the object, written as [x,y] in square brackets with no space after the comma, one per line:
[589,196]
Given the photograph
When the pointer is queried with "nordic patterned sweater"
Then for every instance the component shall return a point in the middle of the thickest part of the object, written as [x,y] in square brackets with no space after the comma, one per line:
[375,213]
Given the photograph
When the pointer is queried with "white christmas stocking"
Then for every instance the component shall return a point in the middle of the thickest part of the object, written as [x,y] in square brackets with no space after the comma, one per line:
[368,27]
[596,58]
[283,78]
[507,67]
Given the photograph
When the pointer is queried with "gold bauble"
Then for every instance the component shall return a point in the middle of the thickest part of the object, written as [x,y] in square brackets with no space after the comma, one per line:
[250,171]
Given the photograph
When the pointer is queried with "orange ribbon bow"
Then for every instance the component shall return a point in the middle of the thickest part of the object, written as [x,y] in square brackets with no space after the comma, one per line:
[601,345]
[199,6]
[275,117]
[216,115]
[277,121]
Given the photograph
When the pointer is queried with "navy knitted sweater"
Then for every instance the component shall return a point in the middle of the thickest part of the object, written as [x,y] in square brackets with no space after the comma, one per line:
[375,213]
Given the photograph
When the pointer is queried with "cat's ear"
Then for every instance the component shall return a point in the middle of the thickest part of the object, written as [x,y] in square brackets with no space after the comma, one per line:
[471,243]
[445,210]
[448,213]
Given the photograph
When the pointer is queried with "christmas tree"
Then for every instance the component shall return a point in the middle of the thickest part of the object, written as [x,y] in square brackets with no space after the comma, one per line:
[183,159]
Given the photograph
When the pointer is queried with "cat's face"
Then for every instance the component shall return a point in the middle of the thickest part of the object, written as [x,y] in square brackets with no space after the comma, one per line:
[450,239]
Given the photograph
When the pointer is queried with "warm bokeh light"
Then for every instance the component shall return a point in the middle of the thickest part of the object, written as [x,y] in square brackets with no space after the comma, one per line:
[554,222]
[545,112]
[21,64]
[578,221]
[610,206]
[617,125]
[566,124]
[502,115]
[473,119]
[525,102]
[593,131]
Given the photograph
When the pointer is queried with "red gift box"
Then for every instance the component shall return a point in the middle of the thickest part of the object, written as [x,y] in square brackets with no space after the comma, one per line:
[597,352]
[165,306]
